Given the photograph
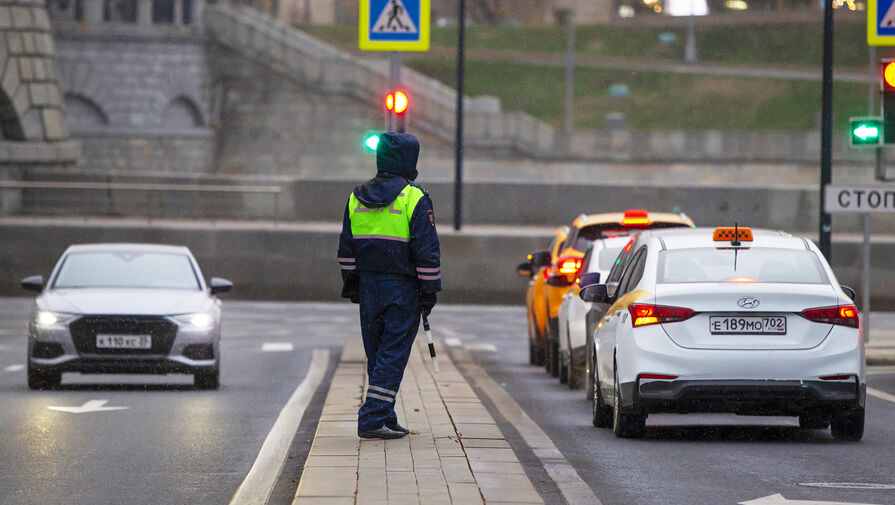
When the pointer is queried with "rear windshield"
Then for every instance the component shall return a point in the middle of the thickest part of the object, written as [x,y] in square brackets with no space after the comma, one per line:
[607,258]
[131,269]
[764,264]
[588,234]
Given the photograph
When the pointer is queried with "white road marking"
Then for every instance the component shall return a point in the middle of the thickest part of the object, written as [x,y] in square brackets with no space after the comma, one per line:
[778,499]
[848,485]
[453,342]
[14,368]
[88,407]
[277,346]
[259,482]
[481,347]
[882,395]
[571,486]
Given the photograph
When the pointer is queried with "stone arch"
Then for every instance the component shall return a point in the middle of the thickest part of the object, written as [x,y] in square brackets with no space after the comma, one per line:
[84,113]
[10,122]
[182,112]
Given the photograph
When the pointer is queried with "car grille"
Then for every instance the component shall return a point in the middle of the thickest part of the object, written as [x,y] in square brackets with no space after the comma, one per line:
[84,331]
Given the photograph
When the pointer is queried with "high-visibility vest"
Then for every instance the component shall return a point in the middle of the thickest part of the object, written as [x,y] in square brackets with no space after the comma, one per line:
[391,222]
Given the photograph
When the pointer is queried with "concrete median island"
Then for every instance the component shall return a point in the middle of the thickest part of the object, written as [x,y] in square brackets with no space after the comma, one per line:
[455,454]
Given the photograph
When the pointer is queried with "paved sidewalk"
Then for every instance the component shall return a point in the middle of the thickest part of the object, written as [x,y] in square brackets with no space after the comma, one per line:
[881,346]
[455,453]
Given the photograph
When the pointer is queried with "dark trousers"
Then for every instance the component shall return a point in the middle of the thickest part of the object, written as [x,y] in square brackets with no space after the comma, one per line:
[389,320]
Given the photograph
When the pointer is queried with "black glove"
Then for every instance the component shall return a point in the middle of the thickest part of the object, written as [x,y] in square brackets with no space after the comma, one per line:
[351,288]
[427,301]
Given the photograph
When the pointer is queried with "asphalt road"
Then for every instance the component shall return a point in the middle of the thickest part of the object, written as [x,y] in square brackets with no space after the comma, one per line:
[693,459]
[172,445]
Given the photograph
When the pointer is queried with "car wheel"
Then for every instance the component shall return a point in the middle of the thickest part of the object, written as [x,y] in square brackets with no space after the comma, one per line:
[602,414]
[848,424]
[625,424]
[535,354]
[573,379]
[207,379]
[814,419]
[589,374]
[563,370]
[43,379]
[552,364]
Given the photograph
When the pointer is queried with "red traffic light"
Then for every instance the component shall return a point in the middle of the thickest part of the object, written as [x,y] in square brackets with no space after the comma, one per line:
[887,71]
[396,102]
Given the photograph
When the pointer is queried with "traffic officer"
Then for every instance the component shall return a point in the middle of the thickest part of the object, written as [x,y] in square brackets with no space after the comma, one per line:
[390,261]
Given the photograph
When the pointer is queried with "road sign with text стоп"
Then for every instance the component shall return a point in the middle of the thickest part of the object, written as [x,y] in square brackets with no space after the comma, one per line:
[876,199]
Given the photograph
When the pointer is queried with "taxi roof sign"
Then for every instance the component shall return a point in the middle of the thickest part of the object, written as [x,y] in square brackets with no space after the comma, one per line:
[394,25]
[881,22]
[733,233]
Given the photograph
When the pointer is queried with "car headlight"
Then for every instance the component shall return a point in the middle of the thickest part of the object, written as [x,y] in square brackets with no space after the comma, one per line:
[48,318]
[198,320]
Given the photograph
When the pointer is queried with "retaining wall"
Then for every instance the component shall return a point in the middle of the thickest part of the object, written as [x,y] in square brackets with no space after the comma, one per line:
[298,263]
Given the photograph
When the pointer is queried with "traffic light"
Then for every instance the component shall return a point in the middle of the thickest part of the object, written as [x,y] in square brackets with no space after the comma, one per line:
[371,141]
[887,99]
[396,103]
[865,132]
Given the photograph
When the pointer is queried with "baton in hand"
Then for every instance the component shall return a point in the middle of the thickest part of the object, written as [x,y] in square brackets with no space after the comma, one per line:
[431,343]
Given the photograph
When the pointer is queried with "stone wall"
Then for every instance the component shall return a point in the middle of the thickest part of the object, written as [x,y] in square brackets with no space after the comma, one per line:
[139,102]
[32,117]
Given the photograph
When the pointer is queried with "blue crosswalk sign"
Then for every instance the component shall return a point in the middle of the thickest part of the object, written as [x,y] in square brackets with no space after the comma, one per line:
[394,25]
[881,22]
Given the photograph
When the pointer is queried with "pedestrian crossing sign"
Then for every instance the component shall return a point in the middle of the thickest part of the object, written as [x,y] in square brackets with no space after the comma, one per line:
[394,25]
[881,22]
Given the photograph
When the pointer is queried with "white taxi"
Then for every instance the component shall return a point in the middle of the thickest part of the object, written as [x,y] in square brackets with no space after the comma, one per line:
[728,320]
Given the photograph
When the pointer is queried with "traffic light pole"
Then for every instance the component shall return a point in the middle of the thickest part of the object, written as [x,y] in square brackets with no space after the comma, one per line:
[826,131]
[394,76]
[458,144]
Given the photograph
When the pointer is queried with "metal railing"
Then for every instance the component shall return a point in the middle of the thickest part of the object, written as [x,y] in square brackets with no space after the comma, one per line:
[149,200]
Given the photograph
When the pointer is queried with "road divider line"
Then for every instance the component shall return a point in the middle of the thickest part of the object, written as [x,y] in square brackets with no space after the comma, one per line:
[453,342]
[14,368]
[572,487]
[277,347]
[882,395]
[259,482]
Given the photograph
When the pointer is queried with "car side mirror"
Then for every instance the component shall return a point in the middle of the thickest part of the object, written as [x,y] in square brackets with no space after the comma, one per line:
[524,269]
[540,259]
[220,285]
[595,293]
[34,283]
[590,279]
[849,292]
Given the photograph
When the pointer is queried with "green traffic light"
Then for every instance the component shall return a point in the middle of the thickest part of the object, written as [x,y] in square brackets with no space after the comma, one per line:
[371,142]
[865,132]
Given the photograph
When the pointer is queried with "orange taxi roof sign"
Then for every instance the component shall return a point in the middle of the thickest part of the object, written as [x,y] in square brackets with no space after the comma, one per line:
[636,217]
[730,233]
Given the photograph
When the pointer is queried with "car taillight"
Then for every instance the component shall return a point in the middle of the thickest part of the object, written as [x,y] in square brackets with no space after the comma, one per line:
[657,376]
[643,315]
[547,273]
[843,315]
[569,266]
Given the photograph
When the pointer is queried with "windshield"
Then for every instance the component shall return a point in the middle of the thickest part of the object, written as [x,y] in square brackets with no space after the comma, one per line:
[711,264]
[127,270]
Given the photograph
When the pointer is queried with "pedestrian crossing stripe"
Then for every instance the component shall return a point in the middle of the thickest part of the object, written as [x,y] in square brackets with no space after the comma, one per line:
[394,19]
[394,25]
[881,22]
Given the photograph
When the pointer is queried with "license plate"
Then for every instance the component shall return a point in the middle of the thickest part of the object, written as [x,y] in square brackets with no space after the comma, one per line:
[123,342]
[747,325]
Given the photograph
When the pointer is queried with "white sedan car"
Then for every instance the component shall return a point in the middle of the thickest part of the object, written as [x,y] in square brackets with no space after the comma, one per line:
[576,316]
[724,321]
[125,308]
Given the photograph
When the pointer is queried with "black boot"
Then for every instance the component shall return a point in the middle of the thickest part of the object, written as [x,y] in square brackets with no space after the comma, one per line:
[383,432]
[397,427]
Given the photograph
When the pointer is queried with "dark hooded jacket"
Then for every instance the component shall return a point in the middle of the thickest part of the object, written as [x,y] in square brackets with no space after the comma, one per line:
[420,257]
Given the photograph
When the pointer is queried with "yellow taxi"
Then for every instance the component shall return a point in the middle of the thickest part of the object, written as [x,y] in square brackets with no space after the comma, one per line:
[537,268]
[560,276]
